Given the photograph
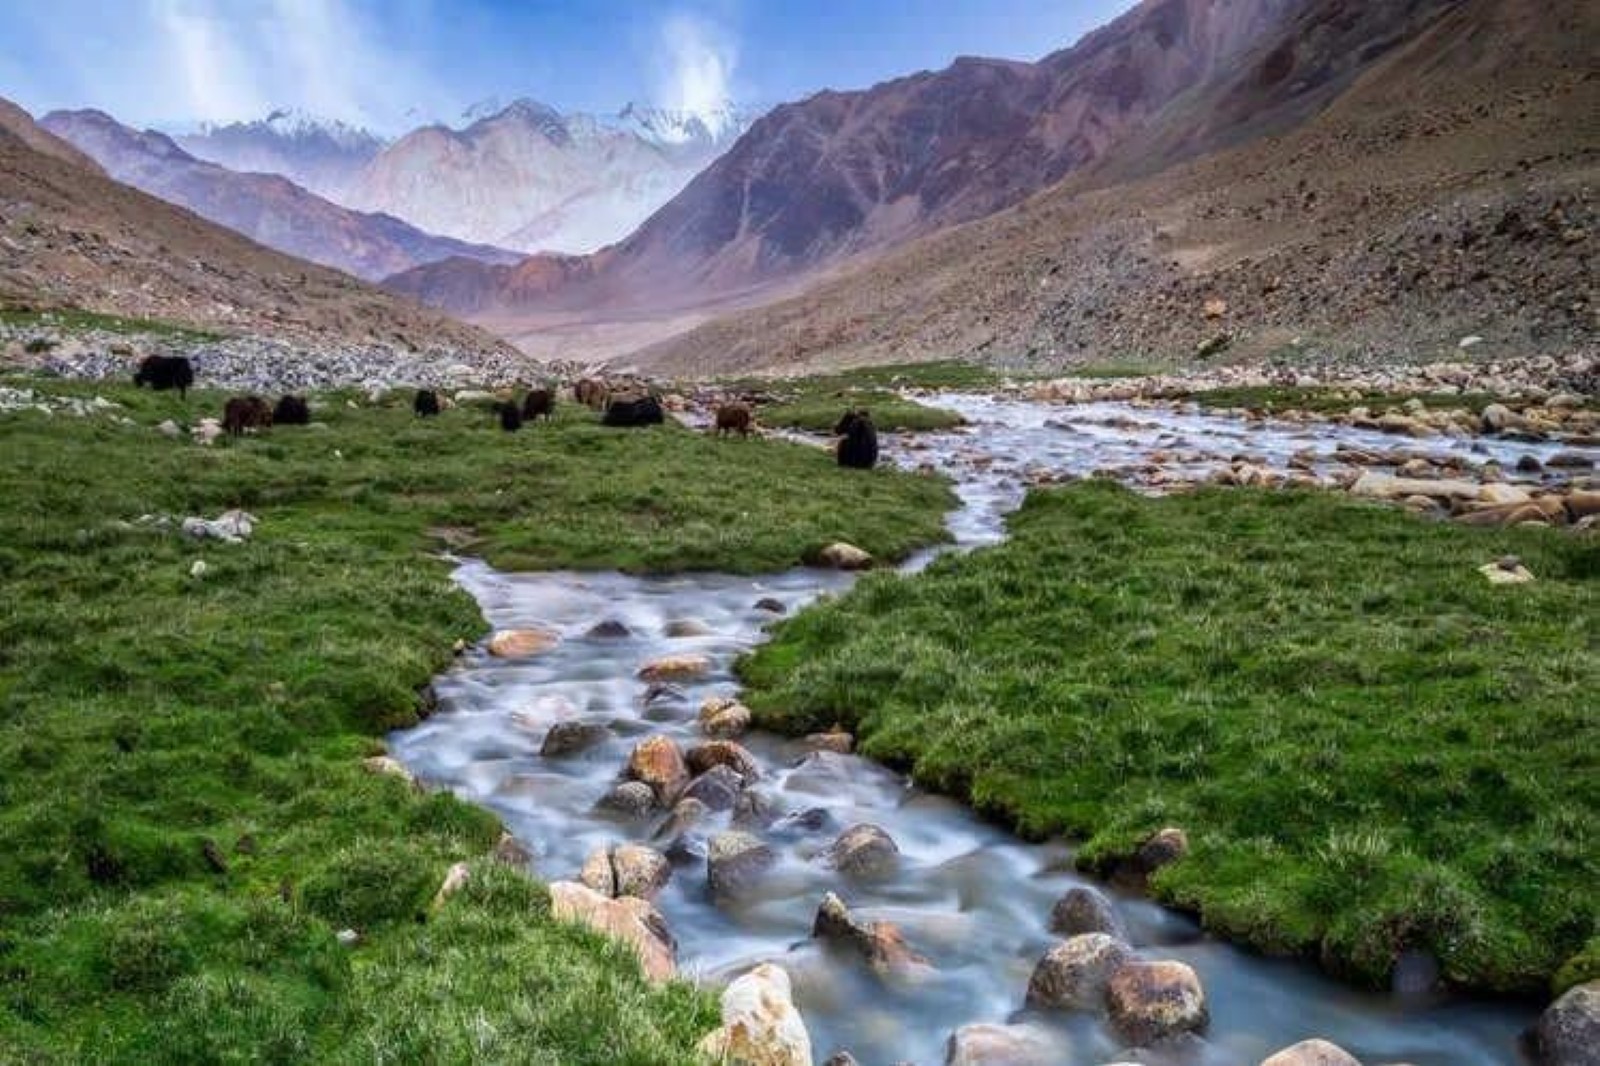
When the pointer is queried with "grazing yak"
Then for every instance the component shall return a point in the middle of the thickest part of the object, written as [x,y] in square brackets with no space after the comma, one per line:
[592,393]
[734,418]
[425,404]
[292,411]
[539,403]
[245,412]
[510,417]
[633,409]
[858,445]
[163,372]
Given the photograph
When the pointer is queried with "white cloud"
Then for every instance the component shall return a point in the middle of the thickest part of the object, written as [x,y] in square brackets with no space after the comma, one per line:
[216,78]
[696,66]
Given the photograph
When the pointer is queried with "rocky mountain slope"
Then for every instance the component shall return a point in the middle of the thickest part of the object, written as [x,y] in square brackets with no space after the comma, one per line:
[525,176]
[265,207]
[317,154]
[71,237]
[816,181]
[1403,176]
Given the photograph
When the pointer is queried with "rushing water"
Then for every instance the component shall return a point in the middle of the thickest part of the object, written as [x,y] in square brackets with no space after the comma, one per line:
[968,895]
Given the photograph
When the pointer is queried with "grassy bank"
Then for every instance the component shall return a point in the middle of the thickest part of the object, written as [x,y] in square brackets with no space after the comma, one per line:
[815,403]
[184,820]
[72,319]
[1370,747]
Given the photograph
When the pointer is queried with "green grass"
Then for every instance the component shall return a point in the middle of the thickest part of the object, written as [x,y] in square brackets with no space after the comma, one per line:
[815,403]
[72,319]
[1370,747]
[184,821]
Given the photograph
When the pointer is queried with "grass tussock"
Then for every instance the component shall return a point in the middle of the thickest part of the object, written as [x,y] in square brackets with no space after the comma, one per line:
[1370,747]
[184,821]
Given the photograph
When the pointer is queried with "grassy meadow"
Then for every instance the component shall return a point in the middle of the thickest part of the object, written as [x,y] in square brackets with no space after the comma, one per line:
[815,403]
[1370,748]
[185,823]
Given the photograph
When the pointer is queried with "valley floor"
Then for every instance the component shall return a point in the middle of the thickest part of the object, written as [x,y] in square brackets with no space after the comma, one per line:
[186,823]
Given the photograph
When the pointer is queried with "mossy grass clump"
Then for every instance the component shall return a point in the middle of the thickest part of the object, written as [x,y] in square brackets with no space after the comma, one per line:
[1370,748]
[185,820]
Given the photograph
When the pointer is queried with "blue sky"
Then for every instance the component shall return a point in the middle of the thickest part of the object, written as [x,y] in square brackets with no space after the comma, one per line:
[390,63]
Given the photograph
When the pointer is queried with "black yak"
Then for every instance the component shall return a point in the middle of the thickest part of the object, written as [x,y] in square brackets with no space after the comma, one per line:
[291,411]
[539,403]
[425,404]
[633,410]
[734,418]
[510,417]
[245,412]
[163,372]
[858,446]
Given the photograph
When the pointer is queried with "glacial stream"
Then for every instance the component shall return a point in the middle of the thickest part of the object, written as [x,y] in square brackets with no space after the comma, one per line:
[968,895]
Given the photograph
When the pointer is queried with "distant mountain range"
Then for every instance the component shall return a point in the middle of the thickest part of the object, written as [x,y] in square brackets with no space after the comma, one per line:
[528,177]
[265,207]
[73,237]
[519,175]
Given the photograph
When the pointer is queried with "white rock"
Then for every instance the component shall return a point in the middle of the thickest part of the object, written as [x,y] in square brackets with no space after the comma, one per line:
[760,1025]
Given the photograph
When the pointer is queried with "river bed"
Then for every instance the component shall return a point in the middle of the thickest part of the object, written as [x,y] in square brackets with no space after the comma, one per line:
[968,895]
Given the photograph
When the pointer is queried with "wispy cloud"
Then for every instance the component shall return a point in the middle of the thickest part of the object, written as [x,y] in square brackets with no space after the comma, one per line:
[696,62]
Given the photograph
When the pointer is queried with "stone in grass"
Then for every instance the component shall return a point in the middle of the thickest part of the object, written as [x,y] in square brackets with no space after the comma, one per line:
[628,920]
[842,556]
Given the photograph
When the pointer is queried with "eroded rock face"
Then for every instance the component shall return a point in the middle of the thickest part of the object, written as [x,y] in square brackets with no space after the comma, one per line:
[1003,1045]
[1073,974]
[760,1025]
[628,920]
[1568,1033]
[1312,1053]
[1150,1001]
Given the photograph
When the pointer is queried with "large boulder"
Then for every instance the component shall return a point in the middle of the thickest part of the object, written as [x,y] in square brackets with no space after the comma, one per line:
[864,851]
[1161,848]
[987,1044]
[1568,1033]
[1150,1001]
[1312,1053]
[760,1024]
[735,860]
[1082,909]
[657,762]
[880,943]
[1073,974]
[626,870]
[628,920]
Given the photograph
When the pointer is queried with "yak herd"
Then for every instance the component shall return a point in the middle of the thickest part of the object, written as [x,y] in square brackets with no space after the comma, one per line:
[626,407]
